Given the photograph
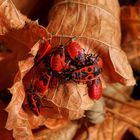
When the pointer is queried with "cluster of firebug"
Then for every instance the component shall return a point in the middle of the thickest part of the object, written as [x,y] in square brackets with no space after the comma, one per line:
[65,62]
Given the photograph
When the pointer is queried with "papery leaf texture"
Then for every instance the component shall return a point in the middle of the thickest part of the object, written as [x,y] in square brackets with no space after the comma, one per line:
[113,127]
[96,25]
[130,22]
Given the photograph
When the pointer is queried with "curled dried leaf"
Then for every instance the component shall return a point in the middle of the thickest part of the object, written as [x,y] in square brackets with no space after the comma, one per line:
[98,34]
[65,100]
[26,6]
[65,133]
[113,127]
[55,123]
[4,133]
[17,118]
[130,34]
[119,92]
[20,43]
[70,98]
[10,17]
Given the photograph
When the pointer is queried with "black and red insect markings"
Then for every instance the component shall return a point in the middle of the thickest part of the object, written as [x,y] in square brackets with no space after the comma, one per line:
[58,63]
[64,63]
[34,103]
[86,73]
[95,89]
[35,89]
[44,49]
[42,81]
[95,60]
[75,52]
[89,69]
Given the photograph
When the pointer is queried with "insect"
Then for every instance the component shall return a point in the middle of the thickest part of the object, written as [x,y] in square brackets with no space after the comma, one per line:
[34,103]
[41,78]
[95,89]
[65,62]
[57,61]
[42,81]
[87,73]
[76,53]
[95,60]
[36,82]
[44,49]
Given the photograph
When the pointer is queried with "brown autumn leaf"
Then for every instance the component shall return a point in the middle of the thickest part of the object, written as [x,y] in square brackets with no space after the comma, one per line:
[17,119]
[67,132]
[119,92]
[113,127]
[26,6]
[96,24]
[70,98]
[17,36]
[66,100]
[130,23]
[4,133]
[65,108]
[19,42]
[10,17]
[21,120]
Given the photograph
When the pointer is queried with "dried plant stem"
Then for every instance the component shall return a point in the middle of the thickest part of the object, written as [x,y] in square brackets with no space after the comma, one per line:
[123,117]
[122,102]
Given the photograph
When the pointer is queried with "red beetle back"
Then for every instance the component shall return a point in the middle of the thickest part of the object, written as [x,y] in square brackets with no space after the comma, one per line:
[95,89]
[76,52]
[44,49]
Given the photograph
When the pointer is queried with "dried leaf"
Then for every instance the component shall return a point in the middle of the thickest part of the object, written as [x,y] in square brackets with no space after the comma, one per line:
[26,6]
[4,134]
[69,103]
[130,22]
[17,118]
[20,43]
[113,127]
[96,114]
[70,98]
[10,17]
[117,91]
[55,123]
[65,133]
[66,100]
[96,24]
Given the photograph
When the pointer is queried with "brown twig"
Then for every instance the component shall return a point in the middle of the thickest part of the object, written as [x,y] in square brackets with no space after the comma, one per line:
[123,117]
[122,102]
